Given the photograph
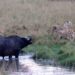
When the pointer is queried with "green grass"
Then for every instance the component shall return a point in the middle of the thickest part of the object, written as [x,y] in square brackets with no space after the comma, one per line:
[40,51]
[68,54]
[46,48]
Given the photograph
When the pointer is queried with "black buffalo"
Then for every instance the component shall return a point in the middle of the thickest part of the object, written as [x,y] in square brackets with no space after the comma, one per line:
[12,45]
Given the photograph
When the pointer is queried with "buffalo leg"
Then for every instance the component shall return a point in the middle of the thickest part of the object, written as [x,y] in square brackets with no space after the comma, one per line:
[3,63]
[17,62]
[9,63]
[3,57]
[10,59]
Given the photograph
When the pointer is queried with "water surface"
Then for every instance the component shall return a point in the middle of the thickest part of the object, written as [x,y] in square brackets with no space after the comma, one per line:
[29,67]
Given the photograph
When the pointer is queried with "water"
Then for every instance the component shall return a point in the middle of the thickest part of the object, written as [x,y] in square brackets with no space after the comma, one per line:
[37,69]
[29,67]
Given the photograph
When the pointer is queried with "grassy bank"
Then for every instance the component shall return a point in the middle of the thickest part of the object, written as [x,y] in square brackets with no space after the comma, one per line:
[61,51]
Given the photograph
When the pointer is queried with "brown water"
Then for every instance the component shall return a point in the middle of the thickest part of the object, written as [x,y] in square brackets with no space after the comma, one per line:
[29,67]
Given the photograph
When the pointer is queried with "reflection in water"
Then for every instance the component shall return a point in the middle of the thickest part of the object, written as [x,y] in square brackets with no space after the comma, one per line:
[29,67]
[36,69]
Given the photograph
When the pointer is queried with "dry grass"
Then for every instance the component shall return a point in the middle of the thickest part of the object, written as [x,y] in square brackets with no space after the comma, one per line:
[35,15]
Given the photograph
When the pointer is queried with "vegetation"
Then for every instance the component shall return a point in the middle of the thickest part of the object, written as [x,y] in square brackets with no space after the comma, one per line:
[32,17]
[62,51]
[35,17]
[67,54]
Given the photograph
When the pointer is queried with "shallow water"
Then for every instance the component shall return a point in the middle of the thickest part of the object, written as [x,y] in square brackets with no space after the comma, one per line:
[37,69]
[29,67]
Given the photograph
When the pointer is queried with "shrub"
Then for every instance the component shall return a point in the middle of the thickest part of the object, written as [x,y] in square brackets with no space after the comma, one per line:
[66,56]
[40,51]
[61,51]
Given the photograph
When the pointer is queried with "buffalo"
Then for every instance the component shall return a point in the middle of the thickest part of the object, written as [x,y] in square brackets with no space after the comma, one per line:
[12,45]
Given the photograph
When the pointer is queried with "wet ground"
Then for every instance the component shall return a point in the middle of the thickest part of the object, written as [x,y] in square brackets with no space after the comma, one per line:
[27,66]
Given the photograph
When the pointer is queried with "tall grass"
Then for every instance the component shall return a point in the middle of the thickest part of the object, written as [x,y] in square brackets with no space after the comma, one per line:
[67,54]
[36,15]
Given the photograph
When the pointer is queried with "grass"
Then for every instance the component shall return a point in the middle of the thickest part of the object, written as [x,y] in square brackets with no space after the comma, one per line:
[40,51]
[45,48]
[68,54]
[36,15]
